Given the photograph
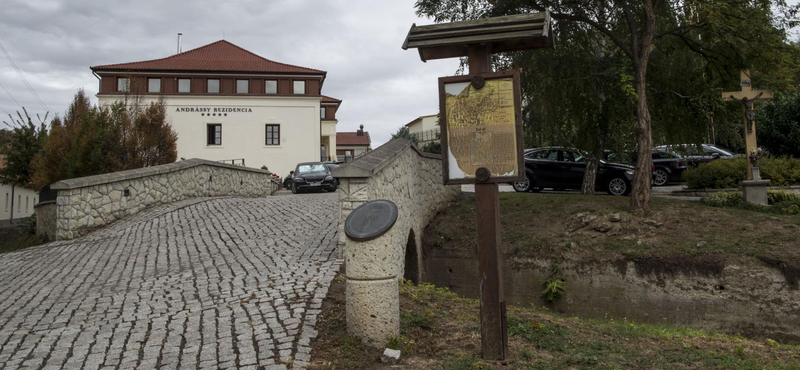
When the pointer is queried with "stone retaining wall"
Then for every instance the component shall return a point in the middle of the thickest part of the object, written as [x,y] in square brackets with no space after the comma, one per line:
[397,171]
[86,203]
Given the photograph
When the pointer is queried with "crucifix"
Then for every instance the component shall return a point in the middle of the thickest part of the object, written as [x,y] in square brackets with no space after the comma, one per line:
[746,96]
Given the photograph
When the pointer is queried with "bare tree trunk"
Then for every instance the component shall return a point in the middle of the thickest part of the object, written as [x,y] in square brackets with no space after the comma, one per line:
[590,177]
[640,195]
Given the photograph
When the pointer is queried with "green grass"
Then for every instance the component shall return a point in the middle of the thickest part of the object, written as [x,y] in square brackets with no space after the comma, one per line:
[535,225]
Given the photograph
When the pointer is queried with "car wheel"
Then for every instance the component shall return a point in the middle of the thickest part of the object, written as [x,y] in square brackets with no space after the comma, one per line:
[294,188]
[660,177]
[524,185]
[618,186]
[333,190]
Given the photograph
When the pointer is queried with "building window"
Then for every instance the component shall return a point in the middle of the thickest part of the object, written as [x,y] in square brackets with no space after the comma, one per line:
[271,86]
[27,199]
[299,87]
[6,201]
[154,85]
[242,86]
[184,85]
[322,112]
[123,84]
[273,134]
[19,203]
[214,134]
[213,86]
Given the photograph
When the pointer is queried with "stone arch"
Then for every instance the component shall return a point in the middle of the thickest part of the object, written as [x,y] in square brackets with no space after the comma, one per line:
[411,270]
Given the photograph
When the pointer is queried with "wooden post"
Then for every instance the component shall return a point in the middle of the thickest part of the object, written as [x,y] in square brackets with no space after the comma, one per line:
[494,334]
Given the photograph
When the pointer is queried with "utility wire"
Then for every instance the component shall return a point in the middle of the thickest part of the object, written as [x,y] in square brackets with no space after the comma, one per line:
[10,96]
[19,72]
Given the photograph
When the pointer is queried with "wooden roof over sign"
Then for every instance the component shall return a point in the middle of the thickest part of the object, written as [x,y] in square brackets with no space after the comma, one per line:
[506,33]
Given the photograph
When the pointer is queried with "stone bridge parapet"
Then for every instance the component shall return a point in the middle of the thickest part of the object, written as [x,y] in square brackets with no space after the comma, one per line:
[397,171]
[85,203]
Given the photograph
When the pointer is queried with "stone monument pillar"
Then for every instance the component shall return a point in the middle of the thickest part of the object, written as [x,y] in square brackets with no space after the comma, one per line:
[373,259]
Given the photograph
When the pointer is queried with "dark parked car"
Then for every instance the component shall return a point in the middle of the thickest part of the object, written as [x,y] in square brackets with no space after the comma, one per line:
[669,166]
[695,155]
[287,181]
[563,168]
[312,176]
[331,166]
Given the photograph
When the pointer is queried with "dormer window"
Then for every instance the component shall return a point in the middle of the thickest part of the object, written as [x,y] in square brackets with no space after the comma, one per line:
[154,85]
[300,87]
[270,86]
[184,85]
[123,84]
[242,86]
[213,86]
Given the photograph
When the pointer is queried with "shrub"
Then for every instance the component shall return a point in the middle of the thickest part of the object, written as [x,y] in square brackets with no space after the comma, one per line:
[553,290]
[794,209]
[722,199]
[777,196]
[728,173]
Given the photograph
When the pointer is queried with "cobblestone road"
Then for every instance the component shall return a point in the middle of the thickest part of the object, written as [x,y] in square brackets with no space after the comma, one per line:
[208,283]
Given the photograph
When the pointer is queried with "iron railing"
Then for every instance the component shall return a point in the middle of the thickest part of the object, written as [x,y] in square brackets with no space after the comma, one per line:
[427,135]
[235,162]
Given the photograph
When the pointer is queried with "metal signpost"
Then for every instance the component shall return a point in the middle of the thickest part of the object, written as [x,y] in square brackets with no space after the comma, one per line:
[481,121]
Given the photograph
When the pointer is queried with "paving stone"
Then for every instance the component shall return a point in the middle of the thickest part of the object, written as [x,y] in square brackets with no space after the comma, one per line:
[202,283]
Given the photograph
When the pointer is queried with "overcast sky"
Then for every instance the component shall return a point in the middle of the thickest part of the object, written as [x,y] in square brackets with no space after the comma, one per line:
[54,42]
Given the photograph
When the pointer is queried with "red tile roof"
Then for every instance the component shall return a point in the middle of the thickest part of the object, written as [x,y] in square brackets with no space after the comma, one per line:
[328,99]
[220,56]
[352,138]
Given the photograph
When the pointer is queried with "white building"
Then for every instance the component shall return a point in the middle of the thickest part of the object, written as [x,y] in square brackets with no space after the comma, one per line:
[17,200]
[425,128]
[226,103]
[351,145]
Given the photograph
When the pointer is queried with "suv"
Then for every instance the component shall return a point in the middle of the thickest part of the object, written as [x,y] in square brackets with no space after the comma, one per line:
[563,168]
[312,176]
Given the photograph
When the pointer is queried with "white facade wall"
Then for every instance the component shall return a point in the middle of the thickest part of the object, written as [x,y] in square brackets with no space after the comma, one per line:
[24,200]
[426,123]
[243,133]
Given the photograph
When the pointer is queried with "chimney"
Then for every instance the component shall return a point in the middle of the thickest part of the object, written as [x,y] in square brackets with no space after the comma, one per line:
[360,131]
[179,42]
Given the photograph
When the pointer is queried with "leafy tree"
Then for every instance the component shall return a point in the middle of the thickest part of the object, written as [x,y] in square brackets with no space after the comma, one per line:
[727,34]
[5,137]
[403,133]
[151,141]
[96,140]
[779,125]
[26,143]
[434,147]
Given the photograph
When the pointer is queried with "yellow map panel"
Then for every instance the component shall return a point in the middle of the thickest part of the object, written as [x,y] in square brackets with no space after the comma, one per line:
[481,129]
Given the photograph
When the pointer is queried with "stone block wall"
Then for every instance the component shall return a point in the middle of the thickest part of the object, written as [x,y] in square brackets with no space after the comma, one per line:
[86,203]
[46,220]
[399,172]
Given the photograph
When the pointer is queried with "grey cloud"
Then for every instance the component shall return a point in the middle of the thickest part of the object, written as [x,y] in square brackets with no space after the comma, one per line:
[357,42]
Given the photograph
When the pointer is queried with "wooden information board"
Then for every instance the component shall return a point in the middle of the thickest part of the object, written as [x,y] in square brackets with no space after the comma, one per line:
[481,123]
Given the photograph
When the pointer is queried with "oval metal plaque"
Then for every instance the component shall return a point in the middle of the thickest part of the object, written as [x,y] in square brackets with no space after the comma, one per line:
[370,220]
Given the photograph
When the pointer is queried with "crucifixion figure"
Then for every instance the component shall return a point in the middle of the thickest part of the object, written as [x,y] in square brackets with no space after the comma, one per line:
[746,96]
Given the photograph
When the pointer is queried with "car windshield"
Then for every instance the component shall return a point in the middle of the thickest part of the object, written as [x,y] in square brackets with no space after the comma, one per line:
[308,168]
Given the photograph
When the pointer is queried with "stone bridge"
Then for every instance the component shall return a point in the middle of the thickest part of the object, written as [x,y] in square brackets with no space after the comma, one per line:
[201,283]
